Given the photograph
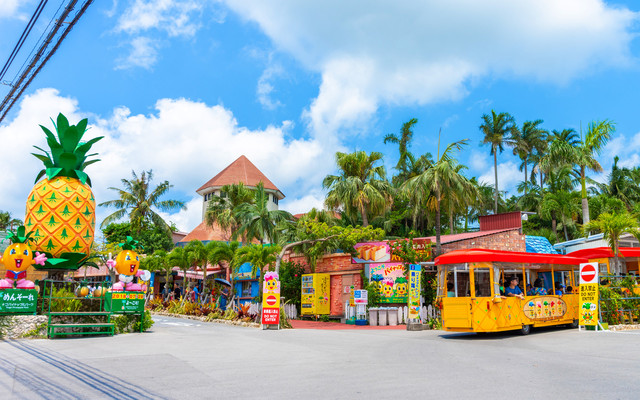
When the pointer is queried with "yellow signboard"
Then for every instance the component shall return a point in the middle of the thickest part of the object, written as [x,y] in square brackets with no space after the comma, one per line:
[414,291]
[588,314]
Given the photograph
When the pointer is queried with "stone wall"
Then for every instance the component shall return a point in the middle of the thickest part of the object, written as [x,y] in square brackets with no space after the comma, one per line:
[17,326]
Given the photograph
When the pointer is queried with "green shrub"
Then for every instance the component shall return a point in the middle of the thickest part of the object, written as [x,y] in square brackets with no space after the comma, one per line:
[131,322]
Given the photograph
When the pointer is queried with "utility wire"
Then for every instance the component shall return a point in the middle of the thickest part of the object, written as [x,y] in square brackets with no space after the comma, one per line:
[23,37]
[10,101]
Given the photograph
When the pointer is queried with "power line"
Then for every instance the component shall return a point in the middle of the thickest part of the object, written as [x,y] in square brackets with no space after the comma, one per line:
[23,37]
[36,64]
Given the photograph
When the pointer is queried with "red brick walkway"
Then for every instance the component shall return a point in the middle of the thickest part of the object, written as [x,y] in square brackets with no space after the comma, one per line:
[298,324]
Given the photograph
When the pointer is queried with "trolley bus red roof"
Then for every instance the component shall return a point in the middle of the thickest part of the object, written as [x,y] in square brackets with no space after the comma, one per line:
[479,255]
[605,252]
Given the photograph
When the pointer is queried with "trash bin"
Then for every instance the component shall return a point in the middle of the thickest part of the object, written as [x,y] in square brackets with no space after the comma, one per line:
[393,316]
[373,316]
[382,316]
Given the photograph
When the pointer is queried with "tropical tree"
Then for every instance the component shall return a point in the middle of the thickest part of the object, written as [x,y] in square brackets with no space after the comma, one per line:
[179,257]
[8,222]
[138,200]
[259,256]
[524,142]
[598,134]
[257,221]
[404,142]
[441,178]
[158,262]
[224,254]
[361,188]
[622,184]
[220,208]
[612,227]
[496,128]
[198,255]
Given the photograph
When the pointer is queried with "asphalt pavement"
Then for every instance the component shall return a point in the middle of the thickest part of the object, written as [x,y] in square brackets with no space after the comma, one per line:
[182,359]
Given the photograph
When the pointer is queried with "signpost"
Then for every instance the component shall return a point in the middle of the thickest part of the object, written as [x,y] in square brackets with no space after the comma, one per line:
[588,312]
[414,292]
[18,301]
[124,302]
[271,301]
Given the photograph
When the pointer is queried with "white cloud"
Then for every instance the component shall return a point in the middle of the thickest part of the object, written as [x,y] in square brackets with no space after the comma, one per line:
[479,161]
[143,54]
[509,176]
[418,52]
[9,8]
[188,219]
[183,141]
[628,149]
[175,17]
[304,204]
[265,88]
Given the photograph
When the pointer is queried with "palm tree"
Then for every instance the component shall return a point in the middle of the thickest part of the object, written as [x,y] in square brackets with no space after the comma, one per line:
[598,134]
[256,220]
[361,188]
[198,255]
[404,142]
[220,208]
[179,257]
[8,222]
[496,129]
[524,142]
[612,227]
[557,199]
[441,178]
[622,183]
[259,256]
[138,201]
[224,254]
[158,262]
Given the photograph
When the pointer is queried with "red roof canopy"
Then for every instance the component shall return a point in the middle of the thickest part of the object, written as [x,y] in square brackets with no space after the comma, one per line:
[479,255]
[605,252]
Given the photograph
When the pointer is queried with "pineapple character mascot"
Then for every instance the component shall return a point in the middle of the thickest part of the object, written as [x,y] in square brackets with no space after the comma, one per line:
[17,258]
[61,208]
[126,265]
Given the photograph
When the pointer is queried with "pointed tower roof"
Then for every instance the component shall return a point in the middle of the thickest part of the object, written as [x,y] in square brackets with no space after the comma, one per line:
[241,170]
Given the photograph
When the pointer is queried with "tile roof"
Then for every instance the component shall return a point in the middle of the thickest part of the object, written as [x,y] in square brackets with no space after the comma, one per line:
[539,244]
[241,170]
[467,235]
[205,233]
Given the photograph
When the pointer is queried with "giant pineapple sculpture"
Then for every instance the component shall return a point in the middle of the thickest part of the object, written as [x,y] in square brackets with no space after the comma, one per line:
[61,207]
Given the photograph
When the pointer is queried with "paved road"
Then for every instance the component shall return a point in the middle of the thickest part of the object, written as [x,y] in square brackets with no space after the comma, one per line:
[186,359]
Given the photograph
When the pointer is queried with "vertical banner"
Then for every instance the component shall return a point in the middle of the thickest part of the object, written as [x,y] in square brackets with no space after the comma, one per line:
[414,291]
[271,299]
[588,313]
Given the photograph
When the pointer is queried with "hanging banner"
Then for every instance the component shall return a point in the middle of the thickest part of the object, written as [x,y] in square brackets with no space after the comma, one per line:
[414,291]
[588,314]
[271,299]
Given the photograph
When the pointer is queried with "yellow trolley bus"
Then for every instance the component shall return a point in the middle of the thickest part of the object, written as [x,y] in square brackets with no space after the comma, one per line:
[478,290]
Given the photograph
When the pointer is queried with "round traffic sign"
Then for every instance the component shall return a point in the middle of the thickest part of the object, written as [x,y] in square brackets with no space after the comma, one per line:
[587,273]
[271,300]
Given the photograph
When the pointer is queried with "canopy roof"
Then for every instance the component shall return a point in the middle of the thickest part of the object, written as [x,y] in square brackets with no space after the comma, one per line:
[605,252]
[480,255]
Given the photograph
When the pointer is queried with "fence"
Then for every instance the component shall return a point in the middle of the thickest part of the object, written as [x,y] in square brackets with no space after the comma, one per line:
[289,309]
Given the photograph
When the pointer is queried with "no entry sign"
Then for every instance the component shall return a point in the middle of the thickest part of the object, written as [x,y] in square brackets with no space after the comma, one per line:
[588,273]
[271,300]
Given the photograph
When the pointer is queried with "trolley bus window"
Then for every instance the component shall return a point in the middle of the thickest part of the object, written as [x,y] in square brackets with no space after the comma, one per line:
[482,280]
[459,277]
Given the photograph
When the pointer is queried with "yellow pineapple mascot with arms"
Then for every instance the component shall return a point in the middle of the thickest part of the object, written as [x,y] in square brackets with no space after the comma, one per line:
[17,258]
[61,208]
[126,265]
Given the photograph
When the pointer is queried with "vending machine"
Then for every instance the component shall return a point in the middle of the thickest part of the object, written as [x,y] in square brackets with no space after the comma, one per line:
[315,294]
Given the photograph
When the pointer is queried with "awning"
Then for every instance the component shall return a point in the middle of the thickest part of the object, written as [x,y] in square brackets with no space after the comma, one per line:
[197,274]
[479,255]
[605,252]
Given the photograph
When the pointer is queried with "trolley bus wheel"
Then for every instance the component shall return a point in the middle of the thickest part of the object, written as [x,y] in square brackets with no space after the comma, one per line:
[525,330]
[573,325]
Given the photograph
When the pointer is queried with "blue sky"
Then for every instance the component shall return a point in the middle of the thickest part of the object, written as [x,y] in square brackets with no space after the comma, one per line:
[184,87]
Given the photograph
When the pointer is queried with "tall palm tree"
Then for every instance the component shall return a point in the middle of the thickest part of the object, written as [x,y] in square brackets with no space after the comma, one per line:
[223,254]
[220,208]
[598,134]
[404,142]
[198,255]
[556,201]
[361,188]
[138,200]
[622,183]
[158,262]
[524,142]
[612,227]
[496,129]
[257,221]
[441,178]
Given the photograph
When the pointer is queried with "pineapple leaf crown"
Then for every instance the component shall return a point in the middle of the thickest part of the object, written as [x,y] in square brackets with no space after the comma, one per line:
[130,244]
[68,155]
[20,236]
